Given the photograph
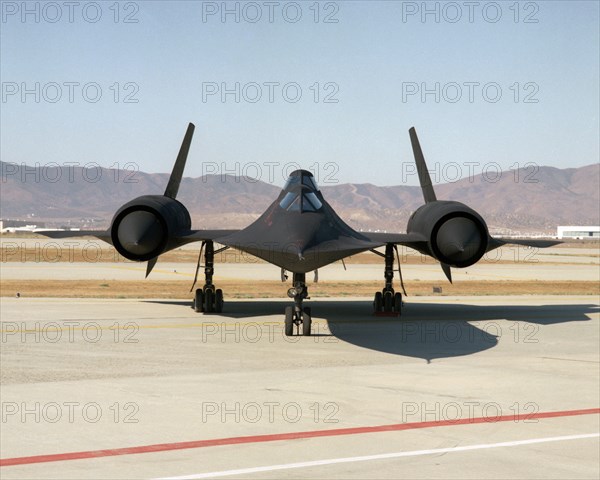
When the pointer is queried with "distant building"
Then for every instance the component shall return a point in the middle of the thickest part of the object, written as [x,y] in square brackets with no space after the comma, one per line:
[7,225]
[579,232]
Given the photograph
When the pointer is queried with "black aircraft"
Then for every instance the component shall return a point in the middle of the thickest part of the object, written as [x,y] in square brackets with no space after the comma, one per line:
[300,232]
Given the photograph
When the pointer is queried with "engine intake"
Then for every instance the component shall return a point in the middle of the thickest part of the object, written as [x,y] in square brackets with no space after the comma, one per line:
[147,226]
[457,234]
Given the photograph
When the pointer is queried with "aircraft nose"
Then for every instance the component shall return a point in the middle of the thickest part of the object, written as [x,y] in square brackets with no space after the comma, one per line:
[304,236]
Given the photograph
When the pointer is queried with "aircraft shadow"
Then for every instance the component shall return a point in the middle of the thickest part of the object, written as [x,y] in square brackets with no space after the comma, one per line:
[425,330]
[432,331]
[239,308]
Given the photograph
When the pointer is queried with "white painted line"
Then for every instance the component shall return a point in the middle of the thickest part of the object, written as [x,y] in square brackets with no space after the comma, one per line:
[331,461]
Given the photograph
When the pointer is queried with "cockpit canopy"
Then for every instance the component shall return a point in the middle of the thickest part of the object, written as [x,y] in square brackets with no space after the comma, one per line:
[301,177]
[300,194]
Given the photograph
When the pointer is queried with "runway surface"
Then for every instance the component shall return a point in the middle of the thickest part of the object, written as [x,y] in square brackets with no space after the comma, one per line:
[459,387]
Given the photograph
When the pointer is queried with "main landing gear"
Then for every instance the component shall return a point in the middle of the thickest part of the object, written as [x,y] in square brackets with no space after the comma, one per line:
[298,315]
[388,301]
[208,299]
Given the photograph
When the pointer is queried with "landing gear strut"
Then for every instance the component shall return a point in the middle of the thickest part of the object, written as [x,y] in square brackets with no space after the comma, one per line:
[388,300]
[209,299]
[298,315]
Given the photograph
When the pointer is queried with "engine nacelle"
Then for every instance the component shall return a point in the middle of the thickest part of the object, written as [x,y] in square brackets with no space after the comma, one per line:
[146,226]
[457,235]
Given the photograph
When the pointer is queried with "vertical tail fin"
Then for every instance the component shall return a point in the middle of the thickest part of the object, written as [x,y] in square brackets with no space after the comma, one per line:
[424,178]
[177,173]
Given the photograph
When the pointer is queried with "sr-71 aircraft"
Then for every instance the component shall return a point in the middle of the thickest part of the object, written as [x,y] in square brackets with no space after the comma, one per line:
[300,233]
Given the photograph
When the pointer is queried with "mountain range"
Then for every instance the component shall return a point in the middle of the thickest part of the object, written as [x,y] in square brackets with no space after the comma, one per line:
[517,201]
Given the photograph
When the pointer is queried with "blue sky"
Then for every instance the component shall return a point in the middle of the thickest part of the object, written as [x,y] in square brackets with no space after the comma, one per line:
[538,62]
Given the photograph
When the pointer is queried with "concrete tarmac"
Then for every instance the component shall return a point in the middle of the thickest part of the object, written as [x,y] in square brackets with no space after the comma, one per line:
[458,387]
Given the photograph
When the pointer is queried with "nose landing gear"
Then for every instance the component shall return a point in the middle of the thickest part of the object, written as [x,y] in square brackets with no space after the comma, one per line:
[298,315]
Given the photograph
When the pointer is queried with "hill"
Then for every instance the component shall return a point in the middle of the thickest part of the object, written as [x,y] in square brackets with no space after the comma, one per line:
[516,201]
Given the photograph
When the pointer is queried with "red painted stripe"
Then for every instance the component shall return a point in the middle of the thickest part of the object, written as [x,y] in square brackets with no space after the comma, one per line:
[164,447]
